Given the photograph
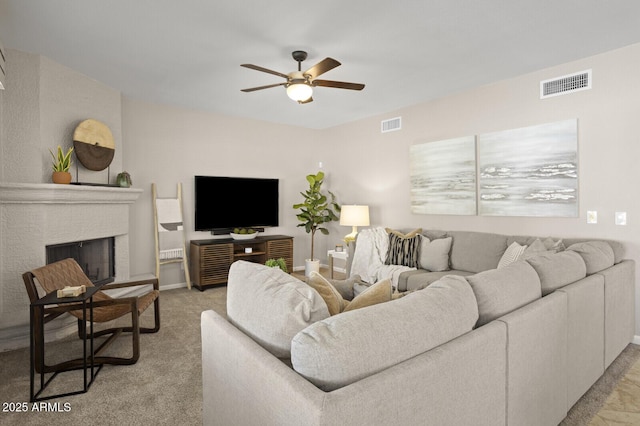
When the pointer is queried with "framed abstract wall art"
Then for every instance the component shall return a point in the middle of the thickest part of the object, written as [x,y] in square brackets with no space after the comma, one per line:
[530,171]
[443,177]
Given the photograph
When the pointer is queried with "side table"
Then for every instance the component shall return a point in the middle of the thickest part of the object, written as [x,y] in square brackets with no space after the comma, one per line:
[338,255]
[37,312]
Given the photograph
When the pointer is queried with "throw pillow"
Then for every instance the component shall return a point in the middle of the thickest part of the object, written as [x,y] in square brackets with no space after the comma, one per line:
[377,293]
[536,248]
[555,246]
[374,294]
[511,254]
[346,287]
[331,296]
[404,249]
[434,254]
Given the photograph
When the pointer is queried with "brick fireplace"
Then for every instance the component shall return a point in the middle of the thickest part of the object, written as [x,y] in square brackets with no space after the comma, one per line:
[35,216]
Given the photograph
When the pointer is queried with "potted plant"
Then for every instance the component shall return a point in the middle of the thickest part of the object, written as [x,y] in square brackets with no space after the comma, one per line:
[277,263]
[316,210]
[124,180]
[61,165]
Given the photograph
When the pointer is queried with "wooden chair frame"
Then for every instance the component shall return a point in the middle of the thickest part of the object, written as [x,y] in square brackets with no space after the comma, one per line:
[53,312]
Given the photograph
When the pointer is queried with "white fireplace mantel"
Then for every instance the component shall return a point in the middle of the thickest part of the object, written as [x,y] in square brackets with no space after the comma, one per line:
[51,193]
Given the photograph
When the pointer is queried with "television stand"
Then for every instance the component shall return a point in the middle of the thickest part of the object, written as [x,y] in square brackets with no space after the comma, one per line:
[211,259]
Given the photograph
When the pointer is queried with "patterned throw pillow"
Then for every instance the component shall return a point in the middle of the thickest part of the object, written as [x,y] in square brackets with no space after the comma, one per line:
[404,249]
[511,254]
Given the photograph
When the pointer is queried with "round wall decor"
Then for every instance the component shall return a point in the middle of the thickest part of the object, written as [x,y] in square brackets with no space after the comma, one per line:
[93,144]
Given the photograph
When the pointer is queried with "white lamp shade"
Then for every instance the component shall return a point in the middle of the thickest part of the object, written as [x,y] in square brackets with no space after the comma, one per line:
[299,91]
[352,215]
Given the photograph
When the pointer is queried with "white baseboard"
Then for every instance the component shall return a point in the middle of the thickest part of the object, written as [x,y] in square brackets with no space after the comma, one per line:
[636,340]
[172,286]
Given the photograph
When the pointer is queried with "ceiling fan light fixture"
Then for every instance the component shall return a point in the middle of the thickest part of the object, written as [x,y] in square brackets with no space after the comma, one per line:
[299,92]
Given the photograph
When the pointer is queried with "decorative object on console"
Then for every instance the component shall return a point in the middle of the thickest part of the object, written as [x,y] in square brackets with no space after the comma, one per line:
[94,144]
[244,233]
[61,165]
[354,216]
[315,211]
[443,177]
[124,180]
[530,171]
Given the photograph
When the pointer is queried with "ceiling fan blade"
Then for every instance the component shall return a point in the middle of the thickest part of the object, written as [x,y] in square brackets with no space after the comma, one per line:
[257,68]
[338,84]
[327,64]
[253,89]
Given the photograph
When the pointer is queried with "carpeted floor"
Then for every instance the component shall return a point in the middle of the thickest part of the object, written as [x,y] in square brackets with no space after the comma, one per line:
[165,386]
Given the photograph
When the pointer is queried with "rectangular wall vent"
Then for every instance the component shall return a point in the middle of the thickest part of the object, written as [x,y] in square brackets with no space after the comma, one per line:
[391,124]
[565,84]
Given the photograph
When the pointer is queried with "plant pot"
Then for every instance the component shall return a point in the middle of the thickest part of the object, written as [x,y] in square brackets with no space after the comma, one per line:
[310,266]
[61,177]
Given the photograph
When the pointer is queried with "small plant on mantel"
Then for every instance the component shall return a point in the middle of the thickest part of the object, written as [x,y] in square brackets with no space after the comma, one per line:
[61,165]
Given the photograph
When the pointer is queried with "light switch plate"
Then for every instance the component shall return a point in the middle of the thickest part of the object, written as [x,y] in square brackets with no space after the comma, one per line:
[592,216]
[621,218]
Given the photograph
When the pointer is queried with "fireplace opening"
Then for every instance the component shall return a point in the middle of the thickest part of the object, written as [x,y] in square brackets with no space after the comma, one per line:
[95,257]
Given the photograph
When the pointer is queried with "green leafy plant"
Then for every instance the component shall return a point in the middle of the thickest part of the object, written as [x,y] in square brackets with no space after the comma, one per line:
[61,161]
[317,209]
[277,263]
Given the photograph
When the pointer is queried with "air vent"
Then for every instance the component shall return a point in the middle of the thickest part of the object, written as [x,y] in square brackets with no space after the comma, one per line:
[565,84]
[391,125]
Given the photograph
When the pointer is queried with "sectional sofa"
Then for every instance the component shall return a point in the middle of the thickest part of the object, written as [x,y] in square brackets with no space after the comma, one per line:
[475,344]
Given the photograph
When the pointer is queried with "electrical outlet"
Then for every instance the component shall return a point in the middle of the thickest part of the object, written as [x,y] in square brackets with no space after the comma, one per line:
[592,216]
[621,218]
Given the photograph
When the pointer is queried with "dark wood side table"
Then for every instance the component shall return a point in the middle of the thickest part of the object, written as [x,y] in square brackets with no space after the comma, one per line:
[37,312]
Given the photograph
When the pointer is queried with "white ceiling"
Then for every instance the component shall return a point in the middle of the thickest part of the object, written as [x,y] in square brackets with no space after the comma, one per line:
[188,52]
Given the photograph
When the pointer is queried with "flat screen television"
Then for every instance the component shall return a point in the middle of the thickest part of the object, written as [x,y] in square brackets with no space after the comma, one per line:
[223,203]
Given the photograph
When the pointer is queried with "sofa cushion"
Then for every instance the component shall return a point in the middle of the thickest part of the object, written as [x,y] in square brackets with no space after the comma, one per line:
[500,291]
[619,251]
[346,348]
[377,293]
[434,254]
[271,306]
[557,270]
[597,255]
[420,278]
[404,249]
[476,251]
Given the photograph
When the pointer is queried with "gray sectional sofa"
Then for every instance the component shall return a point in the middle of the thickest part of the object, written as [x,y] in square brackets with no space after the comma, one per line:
[481,345]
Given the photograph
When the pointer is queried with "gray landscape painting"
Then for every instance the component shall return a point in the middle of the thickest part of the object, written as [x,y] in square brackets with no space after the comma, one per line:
[531,171]
[443,177]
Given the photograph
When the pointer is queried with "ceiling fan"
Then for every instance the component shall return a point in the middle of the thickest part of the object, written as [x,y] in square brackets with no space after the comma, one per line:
[300,84]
